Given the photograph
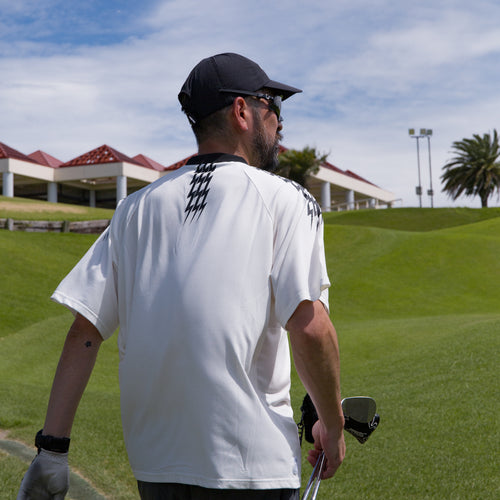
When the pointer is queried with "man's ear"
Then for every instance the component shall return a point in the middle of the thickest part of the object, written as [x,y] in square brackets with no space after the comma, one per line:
[241,114]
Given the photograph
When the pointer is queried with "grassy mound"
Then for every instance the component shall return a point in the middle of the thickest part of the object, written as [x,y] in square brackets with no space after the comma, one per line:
[416,303]
[26,209]
[411,219]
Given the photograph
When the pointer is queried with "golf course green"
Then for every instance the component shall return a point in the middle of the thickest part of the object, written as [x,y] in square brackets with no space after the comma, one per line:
[415,299]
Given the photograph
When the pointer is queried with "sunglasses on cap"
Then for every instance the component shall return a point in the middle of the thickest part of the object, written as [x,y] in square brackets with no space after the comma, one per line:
[274,101]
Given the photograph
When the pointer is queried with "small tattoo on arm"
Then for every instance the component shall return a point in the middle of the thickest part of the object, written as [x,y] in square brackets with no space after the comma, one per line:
[88,343]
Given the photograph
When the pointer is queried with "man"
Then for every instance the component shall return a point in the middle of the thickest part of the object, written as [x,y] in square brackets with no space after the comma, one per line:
[203,270]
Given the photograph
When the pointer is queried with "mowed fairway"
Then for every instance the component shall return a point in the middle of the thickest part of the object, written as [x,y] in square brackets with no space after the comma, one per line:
[416,303]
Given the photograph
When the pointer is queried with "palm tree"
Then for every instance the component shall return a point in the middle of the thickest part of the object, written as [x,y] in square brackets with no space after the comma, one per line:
[299,165]
[475,170]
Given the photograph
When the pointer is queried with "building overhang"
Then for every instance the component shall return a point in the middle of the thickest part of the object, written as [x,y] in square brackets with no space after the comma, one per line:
[27,169]
[106,170]
[349,183]
[101,176]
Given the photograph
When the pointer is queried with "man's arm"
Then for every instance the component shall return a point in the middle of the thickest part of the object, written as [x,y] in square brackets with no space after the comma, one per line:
[316,356]
[72,375]
[48,474]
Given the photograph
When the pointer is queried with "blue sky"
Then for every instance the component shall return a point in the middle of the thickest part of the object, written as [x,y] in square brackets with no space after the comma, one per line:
[76,75]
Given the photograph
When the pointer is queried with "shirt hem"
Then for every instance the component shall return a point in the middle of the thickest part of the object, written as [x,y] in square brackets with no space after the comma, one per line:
[236,484]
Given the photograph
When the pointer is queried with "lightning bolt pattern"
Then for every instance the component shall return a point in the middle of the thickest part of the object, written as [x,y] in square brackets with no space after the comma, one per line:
[199,189]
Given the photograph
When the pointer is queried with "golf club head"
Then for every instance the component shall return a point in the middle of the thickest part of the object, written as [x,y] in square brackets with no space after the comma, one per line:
[360,416]
[361,420]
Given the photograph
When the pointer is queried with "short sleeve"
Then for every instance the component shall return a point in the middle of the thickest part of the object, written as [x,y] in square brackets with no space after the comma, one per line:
[299,266]
[90,287]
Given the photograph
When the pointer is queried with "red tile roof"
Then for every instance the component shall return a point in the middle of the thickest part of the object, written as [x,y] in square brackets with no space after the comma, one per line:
[45,159]
[180,163]
[8,152]
[147,162]
[100,155]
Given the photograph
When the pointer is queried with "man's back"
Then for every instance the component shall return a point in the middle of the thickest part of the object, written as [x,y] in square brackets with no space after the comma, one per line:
[198,334]
[206,274]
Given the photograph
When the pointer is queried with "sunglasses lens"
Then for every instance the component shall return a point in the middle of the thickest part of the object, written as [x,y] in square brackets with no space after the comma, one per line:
[275,105]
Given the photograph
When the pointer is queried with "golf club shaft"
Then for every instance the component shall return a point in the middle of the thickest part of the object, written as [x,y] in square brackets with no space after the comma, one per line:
[315,479]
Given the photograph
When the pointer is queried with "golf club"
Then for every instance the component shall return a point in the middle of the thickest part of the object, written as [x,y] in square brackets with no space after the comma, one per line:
[361,420]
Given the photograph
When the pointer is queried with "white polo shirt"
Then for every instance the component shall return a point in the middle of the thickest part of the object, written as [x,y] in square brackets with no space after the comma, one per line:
[201,270]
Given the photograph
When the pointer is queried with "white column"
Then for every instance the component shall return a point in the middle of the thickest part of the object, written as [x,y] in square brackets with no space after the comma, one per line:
[121,188]
[52,192]
[326,199]
[349,198]
[8,184]
[92,198]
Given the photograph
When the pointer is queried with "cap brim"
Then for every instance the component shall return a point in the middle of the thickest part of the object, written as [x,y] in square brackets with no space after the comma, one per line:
[285,90]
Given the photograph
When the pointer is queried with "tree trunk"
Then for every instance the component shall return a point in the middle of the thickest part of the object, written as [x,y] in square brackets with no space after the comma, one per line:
[484,201]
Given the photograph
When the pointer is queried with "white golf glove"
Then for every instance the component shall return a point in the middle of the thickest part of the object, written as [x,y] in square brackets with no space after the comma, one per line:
[47,477]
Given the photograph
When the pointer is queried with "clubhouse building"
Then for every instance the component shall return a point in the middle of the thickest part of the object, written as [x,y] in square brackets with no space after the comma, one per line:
[104,176]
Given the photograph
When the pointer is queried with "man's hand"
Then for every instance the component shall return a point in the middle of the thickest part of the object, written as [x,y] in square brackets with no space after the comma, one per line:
[47,477]
[332,443]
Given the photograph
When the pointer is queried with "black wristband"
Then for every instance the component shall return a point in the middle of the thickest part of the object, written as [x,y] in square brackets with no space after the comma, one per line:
[51,443]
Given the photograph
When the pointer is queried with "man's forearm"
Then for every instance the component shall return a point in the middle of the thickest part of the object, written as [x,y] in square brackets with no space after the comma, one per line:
[73,372]
[316,356]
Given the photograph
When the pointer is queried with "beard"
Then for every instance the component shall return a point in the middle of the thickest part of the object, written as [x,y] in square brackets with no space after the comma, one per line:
[265,149]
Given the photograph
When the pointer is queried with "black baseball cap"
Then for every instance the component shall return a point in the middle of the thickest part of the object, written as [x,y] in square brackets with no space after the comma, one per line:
[210,85]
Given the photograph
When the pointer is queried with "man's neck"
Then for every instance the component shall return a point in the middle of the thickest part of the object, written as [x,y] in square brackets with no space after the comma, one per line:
[211,146]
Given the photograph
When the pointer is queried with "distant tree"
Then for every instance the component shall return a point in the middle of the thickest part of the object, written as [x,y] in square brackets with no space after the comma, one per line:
[298,165]
[475,169]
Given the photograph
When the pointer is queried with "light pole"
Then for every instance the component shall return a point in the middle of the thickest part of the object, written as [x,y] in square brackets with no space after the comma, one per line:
[428,133]
[418,189]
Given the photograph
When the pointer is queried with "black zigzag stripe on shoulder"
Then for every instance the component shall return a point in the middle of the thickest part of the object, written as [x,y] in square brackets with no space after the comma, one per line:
[313,208]
[200,186]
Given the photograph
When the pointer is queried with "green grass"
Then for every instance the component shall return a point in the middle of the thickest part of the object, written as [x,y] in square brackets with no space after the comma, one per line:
[25,209]
[11,472]
[32,266]
[409,219]
[416,303]
[438,406]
